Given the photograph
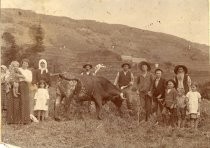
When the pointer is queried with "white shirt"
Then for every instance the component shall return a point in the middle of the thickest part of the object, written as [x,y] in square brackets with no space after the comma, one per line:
[125,72]
[157,81]
[27,74]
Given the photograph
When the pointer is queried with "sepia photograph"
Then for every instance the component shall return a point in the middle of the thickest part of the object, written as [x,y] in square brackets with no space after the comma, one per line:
[105,74]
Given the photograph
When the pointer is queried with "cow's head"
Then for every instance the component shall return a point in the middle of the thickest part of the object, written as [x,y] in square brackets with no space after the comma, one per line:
[118,99]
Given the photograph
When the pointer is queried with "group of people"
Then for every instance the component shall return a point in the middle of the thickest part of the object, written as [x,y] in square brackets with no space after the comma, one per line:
[24,92]
[176,98]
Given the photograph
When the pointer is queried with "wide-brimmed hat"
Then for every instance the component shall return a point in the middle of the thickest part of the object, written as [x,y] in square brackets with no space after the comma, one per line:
[124,64]
[182,66]
[91,66]
[144,63]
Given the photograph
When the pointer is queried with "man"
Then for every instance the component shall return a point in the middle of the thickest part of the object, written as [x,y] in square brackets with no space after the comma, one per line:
[87,70]
[158,91]
[124,80]
[144,88]
[182,79]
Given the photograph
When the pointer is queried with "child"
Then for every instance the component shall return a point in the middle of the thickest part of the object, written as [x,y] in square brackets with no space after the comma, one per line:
[41,101]
[170,102]
[181,107]
[14,72]
[193,105]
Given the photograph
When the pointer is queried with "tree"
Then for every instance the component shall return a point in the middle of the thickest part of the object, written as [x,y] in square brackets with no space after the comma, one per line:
[36,34]
[10,50]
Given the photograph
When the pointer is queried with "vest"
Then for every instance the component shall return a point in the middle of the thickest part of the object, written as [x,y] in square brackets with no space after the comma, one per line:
[124,79]
[185,83]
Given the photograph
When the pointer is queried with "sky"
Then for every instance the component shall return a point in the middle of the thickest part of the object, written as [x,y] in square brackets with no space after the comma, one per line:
[187,19]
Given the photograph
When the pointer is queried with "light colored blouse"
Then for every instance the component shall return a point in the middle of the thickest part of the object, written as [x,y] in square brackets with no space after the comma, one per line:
[27,74]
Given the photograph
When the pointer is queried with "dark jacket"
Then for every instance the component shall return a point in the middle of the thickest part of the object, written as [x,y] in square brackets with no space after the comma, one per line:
[124,79]
[170,98]
[37,76]
[159,89]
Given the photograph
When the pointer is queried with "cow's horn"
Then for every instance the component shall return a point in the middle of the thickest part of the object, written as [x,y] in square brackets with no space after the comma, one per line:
[121,95]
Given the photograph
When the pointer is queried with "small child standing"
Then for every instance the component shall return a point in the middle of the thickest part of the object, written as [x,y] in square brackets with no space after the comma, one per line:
[181,107]
[170,103]
[41,101]
[193,105]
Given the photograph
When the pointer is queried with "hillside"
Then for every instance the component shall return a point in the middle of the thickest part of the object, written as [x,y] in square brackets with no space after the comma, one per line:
[66,39]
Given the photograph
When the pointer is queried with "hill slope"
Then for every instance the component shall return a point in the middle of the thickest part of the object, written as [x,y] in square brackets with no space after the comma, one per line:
[65,38]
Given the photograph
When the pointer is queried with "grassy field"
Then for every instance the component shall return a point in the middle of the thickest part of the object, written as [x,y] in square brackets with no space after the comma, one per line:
[111,132]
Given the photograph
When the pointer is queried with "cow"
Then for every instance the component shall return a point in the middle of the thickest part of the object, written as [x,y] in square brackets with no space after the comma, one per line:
[89,88]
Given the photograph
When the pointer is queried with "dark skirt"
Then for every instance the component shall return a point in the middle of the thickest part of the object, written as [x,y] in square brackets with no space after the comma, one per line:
[13,109]
[18,108]
[24,102]
[3,96]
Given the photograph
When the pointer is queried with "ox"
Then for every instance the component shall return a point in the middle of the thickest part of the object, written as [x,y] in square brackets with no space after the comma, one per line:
[87,88]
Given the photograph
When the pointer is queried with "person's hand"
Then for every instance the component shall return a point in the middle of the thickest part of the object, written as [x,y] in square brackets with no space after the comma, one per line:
[172,106]
[138,93]
[160,100]
[159,96]
[34,102]
[47,103]
[149,93]
[130,84]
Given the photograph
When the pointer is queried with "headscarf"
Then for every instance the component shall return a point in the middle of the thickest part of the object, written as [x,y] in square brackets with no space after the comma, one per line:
[45,68]
[5,75]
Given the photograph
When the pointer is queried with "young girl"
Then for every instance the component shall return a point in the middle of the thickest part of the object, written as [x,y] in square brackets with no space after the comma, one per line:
[181,107]
[193,105]
[41,101]
[170,103]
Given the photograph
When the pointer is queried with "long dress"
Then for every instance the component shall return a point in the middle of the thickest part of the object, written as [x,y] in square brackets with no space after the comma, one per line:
[13,108]
[24,95]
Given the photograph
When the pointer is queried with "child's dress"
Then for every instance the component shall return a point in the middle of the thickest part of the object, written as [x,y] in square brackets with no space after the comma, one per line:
[194,98]
[41,97]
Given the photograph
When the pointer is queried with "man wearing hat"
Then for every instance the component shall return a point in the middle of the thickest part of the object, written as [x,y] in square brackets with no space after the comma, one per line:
[182,79]
[87,70]
[124,80]
[144,88]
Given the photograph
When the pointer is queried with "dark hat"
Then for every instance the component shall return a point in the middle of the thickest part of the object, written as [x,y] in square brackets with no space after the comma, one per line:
[126,64]
[178,66]
[144,63]
[91,66]
[158,69]
[171,80]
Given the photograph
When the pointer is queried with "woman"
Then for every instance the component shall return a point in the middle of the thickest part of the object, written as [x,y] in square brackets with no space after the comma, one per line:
[14,102]
[4,86]
[42,74]
[24,83]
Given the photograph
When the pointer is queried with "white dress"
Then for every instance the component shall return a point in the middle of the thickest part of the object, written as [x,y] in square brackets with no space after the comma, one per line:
[41,98]
[193,100]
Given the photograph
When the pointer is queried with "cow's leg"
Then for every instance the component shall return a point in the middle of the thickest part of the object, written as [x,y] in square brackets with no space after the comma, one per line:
[98,102]
[57,108]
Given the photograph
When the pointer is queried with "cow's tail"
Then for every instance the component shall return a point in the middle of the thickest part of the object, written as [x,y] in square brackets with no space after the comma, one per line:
[68,79]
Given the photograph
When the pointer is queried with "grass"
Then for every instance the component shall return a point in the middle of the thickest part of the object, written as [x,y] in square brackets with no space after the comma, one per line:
[112,132]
